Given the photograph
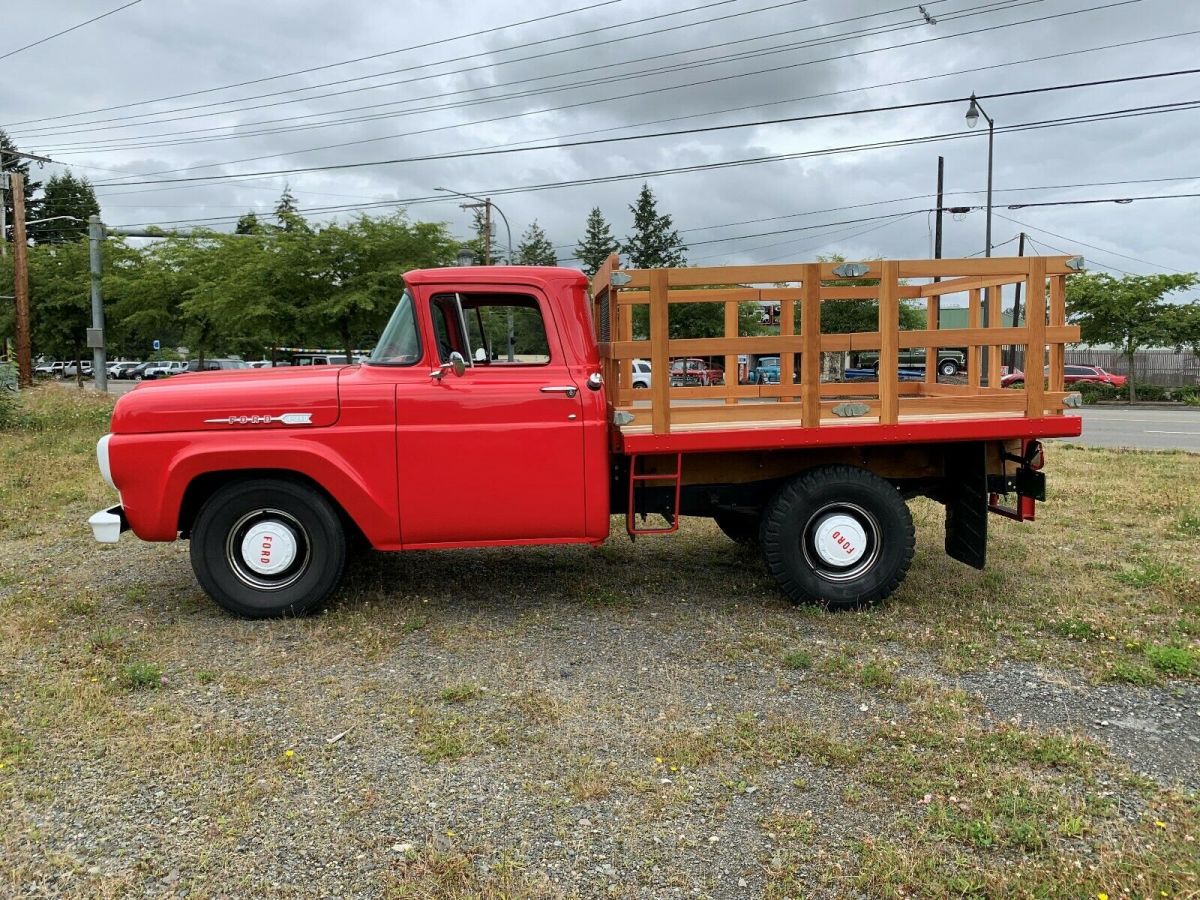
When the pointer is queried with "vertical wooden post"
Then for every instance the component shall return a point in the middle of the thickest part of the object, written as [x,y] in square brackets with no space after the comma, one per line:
[974,357]
[1058,316]
[889,342]
[787,361]
[810,359]
[21,281]
[731,361]
[995,317]
[660,364]
[1035,326]
[625,366]
[932,322]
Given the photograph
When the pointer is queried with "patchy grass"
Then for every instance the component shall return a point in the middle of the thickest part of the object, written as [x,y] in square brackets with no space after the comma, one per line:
[654,713]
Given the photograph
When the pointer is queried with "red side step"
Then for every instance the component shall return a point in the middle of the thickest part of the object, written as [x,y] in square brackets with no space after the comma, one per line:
[635,477]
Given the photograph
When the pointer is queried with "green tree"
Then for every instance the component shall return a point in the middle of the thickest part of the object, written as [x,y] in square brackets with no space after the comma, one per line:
[597,243]
[64,195]
[1128,312]
[15,164]
[248,224]
[1183,326]
[535,248]
[654,243]
[287,211]
[847,316]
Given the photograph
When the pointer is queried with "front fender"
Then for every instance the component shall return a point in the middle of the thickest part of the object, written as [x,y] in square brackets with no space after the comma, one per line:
[356,466]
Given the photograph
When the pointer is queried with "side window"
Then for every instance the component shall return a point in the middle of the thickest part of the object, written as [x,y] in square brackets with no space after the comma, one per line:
[495,329]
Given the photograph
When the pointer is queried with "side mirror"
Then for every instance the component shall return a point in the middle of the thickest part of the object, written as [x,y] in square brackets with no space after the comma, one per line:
[457,365]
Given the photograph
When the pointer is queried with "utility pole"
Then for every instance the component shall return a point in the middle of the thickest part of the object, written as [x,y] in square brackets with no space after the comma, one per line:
[96,332]
[21,281]
[1012,348]
[937,228]
[3,210]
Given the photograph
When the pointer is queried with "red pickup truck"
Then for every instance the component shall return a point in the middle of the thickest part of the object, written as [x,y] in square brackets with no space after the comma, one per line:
[447,438]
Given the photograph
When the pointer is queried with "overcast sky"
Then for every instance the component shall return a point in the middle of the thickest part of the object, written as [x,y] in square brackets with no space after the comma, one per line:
[637,76]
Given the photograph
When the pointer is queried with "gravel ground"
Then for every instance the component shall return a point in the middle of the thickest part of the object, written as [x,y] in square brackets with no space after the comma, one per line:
[643,720]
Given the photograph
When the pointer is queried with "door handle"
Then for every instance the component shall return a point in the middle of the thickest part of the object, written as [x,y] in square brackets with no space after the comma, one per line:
[569,389]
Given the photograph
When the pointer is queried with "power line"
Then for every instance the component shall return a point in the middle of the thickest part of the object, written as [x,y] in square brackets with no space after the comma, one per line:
[652,122]
[592,80]
[686,131]
[69,30]
[74,127]
[1105,250]
[345,62]
[1036,244]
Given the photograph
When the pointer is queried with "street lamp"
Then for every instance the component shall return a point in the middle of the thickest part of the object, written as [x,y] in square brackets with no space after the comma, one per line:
[974,111]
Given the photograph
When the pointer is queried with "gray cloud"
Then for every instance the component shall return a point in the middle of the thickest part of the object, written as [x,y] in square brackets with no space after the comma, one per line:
[156,49]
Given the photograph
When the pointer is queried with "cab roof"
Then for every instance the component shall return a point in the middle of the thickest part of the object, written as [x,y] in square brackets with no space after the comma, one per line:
[539,275]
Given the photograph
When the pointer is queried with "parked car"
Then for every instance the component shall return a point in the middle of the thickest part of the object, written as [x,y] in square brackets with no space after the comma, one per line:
[765,371]
[49,369]
[693,371]
[641,373]
[950,362]
[216,365]
[163,369]
[72,370]
[1072,375]
[122,369]
[328,359]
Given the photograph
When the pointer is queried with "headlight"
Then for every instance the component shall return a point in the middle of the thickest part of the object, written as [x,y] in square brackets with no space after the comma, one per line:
[102,460]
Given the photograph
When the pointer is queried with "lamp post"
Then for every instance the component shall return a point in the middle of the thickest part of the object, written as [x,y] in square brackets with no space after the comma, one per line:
[488,206]
[974,111]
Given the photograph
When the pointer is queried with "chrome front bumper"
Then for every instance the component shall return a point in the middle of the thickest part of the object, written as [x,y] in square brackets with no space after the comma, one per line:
[108,524]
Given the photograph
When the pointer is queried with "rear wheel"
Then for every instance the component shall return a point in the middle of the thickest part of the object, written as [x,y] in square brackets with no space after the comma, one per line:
[838,536]
[741,528]
[948,367]
[267,548]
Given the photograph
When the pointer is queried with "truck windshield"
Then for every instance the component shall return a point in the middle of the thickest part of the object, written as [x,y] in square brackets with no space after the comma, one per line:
[400,344]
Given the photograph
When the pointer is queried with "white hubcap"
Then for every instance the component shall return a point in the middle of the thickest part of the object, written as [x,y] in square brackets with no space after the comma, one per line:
[269,548]
[840,540]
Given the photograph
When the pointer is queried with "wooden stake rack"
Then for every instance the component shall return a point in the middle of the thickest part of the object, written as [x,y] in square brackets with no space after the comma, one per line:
[800,398]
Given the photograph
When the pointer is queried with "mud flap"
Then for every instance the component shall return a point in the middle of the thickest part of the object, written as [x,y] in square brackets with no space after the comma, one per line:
[966,498]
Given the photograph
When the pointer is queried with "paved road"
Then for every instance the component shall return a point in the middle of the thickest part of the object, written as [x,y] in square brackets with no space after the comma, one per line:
[1141,428]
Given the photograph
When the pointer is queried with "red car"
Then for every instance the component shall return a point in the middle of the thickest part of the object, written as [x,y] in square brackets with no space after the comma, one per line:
[693,372]
[1072,375]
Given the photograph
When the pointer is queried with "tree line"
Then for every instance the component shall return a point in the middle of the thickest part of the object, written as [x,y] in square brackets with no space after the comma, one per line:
[292,282]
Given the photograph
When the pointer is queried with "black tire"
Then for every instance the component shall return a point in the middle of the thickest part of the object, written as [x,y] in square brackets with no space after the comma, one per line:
[798,542]
[741,528]
[640,384]
[948,367]
[222,535]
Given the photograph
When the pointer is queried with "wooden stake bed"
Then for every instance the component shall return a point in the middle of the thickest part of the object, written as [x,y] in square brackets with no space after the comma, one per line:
[802,410]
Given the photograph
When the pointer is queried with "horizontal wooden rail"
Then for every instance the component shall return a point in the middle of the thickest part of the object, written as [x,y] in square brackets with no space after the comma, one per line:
[807,393]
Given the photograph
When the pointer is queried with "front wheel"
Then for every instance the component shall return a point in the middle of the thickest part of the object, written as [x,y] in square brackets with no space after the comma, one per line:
[838,536]
[948,367]
[267,548]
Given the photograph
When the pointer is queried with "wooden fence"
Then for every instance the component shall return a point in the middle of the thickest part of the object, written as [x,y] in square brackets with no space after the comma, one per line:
[800,399]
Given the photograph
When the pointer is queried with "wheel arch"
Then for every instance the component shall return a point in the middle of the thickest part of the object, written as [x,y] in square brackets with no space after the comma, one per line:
[204,485]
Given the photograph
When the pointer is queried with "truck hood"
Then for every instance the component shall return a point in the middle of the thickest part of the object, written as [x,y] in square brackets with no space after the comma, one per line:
[262,399]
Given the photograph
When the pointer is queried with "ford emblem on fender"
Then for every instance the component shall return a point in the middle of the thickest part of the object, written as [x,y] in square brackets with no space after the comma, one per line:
[286,419]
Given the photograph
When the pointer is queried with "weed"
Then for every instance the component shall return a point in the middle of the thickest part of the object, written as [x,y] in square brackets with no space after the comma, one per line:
[875,675]
[1173,660]
[142,676]
[1077,630]
[798,659]
[1189,524]
[1148,573]
[459,693]
[1131,673]
[206,676]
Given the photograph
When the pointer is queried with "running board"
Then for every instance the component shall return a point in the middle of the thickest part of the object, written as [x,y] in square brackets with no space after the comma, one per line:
[636,478]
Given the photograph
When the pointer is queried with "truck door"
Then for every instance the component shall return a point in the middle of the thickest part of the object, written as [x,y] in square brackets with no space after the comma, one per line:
[496,454]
